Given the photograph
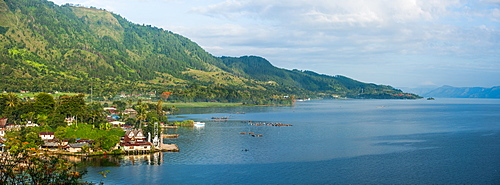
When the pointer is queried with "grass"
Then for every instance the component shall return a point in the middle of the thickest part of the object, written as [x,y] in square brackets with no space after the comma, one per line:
[33,94]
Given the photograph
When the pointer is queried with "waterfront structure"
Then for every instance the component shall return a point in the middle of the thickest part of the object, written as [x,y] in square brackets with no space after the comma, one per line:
[134,140]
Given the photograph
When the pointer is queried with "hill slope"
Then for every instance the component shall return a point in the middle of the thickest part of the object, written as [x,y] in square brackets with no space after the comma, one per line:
[464,92]
[46,47]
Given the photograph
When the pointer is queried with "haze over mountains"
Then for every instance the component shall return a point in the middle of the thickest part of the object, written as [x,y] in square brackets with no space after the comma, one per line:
[457,92]
[46,47]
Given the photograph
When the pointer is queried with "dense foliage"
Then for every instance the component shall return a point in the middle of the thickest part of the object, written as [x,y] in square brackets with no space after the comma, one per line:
[35,168]
[45,48]
[49,114]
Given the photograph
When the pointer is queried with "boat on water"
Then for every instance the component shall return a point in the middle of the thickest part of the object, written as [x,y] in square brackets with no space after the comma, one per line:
[199,124]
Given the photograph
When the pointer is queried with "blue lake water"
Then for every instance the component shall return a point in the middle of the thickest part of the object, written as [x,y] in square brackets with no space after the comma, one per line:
[444,141]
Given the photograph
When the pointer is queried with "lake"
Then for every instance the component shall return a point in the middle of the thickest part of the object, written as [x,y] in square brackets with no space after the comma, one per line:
[442,141]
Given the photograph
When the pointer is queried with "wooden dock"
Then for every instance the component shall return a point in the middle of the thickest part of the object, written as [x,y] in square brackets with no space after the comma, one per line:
[170,136]
[169,148]
[169,127]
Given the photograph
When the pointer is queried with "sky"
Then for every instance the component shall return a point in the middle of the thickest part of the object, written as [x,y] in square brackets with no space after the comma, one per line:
[402,43]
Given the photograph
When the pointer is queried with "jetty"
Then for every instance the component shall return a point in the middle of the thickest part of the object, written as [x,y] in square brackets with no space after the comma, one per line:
[268,124]
[169,148]
[170,136]
[169,127]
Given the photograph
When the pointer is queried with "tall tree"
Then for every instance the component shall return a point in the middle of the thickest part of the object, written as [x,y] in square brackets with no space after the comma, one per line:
[159,108]
[11,100]
[141,114]
[44,104]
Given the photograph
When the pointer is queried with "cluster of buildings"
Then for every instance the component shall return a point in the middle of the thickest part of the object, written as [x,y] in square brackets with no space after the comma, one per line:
[134,140]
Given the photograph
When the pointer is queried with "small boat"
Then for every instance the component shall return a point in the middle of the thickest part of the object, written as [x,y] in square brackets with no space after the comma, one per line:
[198,124]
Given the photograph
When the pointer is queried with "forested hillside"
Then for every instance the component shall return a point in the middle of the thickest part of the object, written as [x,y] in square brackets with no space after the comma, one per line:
[45,47]
[464,92]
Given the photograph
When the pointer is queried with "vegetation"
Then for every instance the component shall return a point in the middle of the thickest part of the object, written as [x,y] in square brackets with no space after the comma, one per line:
[35,168]
[105,137]
[90,123]
[186,123]
[46,48]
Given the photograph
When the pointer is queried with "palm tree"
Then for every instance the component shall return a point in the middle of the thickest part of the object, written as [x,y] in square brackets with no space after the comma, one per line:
[11,100]
[159,108]
[141,114]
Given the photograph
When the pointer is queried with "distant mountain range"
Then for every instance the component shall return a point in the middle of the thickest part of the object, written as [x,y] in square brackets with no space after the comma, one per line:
[457,92]
[45,47]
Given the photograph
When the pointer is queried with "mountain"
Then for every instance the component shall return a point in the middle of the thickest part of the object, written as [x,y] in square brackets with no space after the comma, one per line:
[45,47]
[464,92]
[419,90]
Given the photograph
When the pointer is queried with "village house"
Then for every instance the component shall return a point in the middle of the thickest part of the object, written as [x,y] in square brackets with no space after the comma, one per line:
[134,140]
[30,124]
[76,147]
[70,120]
[52,145]
[109,108]
[46,135]
[130,111]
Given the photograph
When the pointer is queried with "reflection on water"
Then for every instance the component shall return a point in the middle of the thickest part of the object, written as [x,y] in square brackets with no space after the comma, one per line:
[149,159]
[117,160]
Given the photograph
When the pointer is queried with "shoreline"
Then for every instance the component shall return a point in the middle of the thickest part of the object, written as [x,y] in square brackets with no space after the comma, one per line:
[164,148]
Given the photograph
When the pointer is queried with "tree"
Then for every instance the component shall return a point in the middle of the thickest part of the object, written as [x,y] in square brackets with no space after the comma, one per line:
[33,138]
[60,132]
[120,105]
[72,105]
[141,114]
[69,106]
[26,168]
[159,108]
[165,95]
[11,100]
[95,114]
[44,103]
[28,116]
[85,149]
[42,119]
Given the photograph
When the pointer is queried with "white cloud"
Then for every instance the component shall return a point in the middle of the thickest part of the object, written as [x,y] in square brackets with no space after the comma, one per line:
[400,26]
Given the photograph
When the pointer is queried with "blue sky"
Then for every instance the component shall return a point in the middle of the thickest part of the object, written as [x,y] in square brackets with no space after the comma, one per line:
[402,43]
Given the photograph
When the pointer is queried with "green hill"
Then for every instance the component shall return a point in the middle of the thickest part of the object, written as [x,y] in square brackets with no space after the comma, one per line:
[46,47]
[464,92]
